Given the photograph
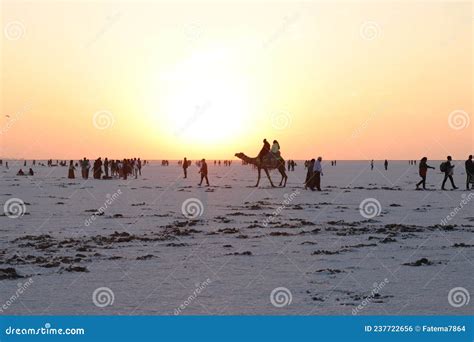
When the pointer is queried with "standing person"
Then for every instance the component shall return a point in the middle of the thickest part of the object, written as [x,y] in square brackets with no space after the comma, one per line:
[447,168]
[97,168]
[293,165]
[139,166]
[372,164]
[83,168]
[423,170]
[70,174]
[185,167]
[385,164]
[106,168]
[309,175]
[318,172]
[469,172]
[203,172]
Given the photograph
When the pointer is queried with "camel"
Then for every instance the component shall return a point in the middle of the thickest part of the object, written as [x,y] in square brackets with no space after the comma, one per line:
[268,163]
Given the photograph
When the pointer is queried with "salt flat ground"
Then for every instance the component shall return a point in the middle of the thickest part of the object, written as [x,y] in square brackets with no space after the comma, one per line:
[246,243]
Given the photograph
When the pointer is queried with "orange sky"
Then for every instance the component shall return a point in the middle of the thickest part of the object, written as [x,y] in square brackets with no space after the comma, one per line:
[156,79]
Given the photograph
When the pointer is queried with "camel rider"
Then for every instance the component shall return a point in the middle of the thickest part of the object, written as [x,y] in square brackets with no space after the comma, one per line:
[276,150]
[265,149]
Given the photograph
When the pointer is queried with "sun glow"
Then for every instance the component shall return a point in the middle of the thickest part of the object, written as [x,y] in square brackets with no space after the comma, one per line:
[206,100]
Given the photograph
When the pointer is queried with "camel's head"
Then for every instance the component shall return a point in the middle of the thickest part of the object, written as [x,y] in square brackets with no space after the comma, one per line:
[239,155]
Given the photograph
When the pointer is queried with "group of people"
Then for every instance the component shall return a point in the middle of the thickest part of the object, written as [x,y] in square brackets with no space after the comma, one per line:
[291,165]
[202,169]
[448,169]
[107,169]
[313,174]
[226,162]
[269,151]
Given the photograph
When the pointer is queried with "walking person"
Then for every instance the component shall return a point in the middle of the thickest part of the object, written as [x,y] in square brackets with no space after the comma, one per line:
[385,164]
[469,172]
[70,174]
[185,167]
[203,172]
[447,168]
[372,164]
[423,170]
[317,173]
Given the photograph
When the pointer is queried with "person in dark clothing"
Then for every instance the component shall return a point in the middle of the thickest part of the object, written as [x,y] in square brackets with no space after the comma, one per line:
[265,149]
[70,174]
[448,174]
[185,167]
[469,172]
[20,173]
[31,172]
[423,169]
[385,164]
[106,168]
[309,174]
[203,172]
[97,169]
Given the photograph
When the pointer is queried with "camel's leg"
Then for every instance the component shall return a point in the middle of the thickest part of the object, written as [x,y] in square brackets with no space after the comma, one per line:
[258,179]
[268,175]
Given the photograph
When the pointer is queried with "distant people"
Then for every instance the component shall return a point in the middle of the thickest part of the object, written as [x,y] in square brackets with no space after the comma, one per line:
[293,165]
[276,149]
[469,172]
[385,164]
[289,165]
[85,165]
[97,168]
[20,173]
[31,172]
[317,173]
[423,170]
[309,174]
[139,164]
[185,167]
[106,168]
[448,170]
[265,150]
[203,172]
[372,164]
[71,170]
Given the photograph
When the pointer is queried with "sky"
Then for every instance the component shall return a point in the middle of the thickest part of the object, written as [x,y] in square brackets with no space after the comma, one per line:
[168,79]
